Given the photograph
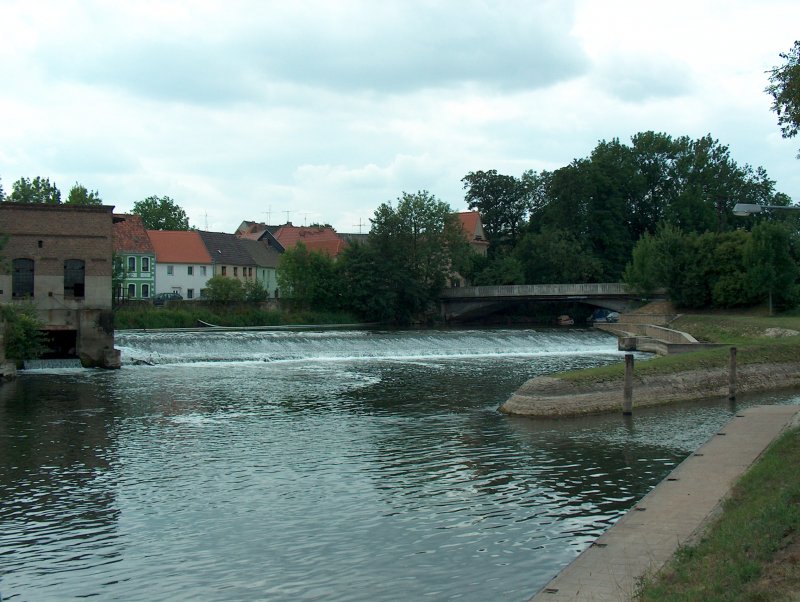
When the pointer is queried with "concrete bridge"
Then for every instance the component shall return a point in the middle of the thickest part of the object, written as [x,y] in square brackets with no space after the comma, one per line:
[473,301]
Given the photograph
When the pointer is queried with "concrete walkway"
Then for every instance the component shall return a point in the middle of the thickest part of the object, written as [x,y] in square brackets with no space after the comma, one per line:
[677,510]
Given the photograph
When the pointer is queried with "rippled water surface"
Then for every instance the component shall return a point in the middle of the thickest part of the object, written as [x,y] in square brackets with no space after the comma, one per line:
[317,466]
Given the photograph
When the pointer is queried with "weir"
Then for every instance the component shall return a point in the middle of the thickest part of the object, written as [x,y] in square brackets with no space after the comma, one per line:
[155,348]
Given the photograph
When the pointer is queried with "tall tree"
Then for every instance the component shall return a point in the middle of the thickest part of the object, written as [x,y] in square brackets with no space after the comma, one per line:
[785,91]
[2,194]
[161,213]
[772,269]
[503,204]
[80,195]
[421,244]
[309,279]
[38,190]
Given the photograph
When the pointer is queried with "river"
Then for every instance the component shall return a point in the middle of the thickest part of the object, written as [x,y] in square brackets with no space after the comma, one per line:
[335,465]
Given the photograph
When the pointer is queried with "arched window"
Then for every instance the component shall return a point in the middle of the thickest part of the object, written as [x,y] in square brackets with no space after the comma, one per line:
[131,291]
[145,291]
[74,278]
[131,264]
[22,278]
[145,265]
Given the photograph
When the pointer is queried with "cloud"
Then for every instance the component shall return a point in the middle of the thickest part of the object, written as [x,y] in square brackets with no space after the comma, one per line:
[637,79]
[355,47]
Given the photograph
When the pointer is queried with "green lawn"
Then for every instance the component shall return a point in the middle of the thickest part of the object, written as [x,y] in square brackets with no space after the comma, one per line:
[752,551]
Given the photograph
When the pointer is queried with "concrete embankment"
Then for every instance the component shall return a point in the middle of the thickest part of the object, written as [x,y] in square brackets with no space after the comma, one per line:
[553,397]
[674,514]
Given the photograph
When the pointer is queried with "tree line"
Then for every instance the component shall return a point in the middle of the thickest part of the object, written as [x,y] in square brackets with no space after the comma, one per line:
[655,212]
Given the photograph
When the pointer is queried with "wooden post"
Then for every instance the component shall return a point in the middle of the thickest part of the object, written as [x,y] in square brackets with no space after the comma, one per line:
[732,375]
[627,403]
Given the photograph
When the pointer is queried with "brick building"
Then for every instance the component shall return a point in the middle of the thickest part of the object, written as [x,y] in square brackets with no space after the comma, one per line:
[59,258]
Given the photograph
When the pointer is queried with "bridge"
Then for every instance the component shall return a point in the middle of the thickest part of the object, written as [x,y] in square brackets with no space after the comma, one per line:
[473,301]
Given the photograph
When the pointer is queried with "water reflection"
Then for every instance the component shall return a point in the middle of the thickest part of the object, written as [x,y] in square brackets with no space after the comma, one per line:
[377,476]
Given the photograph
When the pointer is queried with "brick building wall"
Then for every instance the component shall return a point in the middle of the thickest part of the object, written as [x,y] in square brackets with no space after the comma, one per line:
[48,236]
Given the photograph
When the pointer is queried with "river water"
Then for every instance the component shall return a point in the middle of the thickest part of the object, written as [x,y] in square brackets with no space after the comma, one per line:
[356,465]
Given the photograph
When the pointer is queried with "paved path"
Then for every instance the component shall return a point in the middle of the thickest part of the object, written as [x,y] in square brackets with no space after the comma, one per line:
[666,518]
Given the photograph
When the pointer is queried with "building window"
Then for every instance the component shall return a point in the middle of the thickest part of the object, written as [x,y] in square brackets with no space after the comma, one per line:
[235,271]
[145,291]
[145,264]
[131,291]
[202,270]
[224,270]
[22,278]
[74,278]
[190,270]
[131,264]
[190,293]
[170,270]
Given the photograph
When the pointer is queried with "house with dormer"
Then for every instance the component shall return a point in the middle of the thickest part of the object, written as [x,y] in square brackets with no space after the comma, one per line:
[228,256]
[183,264]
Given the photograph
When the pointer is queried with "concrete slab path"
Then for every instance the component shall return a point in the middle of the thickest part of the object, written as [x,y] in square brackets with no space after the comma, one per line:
[671,515]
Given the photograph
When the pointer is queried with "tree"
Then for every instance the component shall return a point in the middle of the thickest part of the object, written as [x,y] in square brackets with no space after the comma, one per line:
[2,194]
[771,267]
[556,256]
[502,202]
[161,213]
[309,279]
[80,195]
[24,338]
[785,91]
[221,289]
[38,190]
[254,291]
[370,281]
[420,245]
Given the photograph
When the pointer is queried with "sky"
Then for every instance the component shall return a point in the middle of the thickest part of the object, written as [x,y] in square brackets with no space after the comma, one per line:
[319,111]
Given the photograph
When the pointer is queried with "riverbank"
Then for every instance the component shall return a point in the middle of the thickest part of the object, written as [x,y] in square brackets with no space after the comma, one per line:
[768,360]
[681,516]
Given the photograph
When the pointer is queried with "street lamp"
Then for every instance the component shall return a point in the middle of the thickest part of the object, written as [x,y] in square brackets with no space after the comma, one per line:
[743,209]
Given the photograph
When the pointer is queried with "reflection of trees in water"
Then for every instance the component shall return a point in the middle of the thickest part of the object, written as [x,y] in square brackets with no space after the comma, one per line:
[57,452]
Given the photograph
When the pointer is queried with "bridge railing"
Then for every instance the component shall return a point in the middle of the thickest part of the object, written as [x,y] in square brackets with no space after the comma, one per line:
[537,290]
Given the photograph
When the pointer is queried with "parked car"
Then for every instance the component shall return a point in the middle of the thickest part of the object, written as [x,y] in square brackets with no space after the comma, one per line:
[162,298]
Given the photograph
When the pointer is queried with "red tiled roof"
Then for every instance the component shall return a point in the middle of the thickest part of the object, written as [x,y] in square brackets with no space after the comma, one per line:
[179,246]
[315,239]
[472,227]
[469,221]
[130,235]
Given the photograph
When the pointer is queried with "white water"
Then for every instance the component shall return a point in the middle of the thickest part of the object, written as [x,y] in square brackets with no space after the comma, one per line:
[264,346]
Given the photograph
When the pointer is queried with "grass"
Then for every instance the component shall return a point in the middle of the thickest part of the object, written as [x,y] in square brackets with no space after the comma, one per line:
[750,334]
[751,552]
[178,316]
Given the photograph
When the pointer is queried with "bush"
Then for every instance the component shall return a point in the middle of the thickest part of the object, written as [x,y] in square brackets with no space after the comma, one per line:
[24,338]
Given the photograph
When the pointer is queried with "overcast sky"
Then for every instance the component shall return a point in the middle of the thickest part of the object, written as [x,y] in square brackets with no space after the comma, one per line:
[321,110]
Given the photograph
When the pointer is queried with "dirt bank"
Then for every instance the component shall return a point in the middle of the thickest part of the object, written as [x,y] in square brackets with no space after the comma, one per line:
[552,397]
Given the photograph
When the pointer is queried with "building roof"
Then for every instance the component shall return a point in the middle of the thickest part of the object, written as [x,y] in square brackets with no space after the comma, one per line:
[472,226]
[179,246]
[322,239]
[262,254]
[130,235]
[226,248]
